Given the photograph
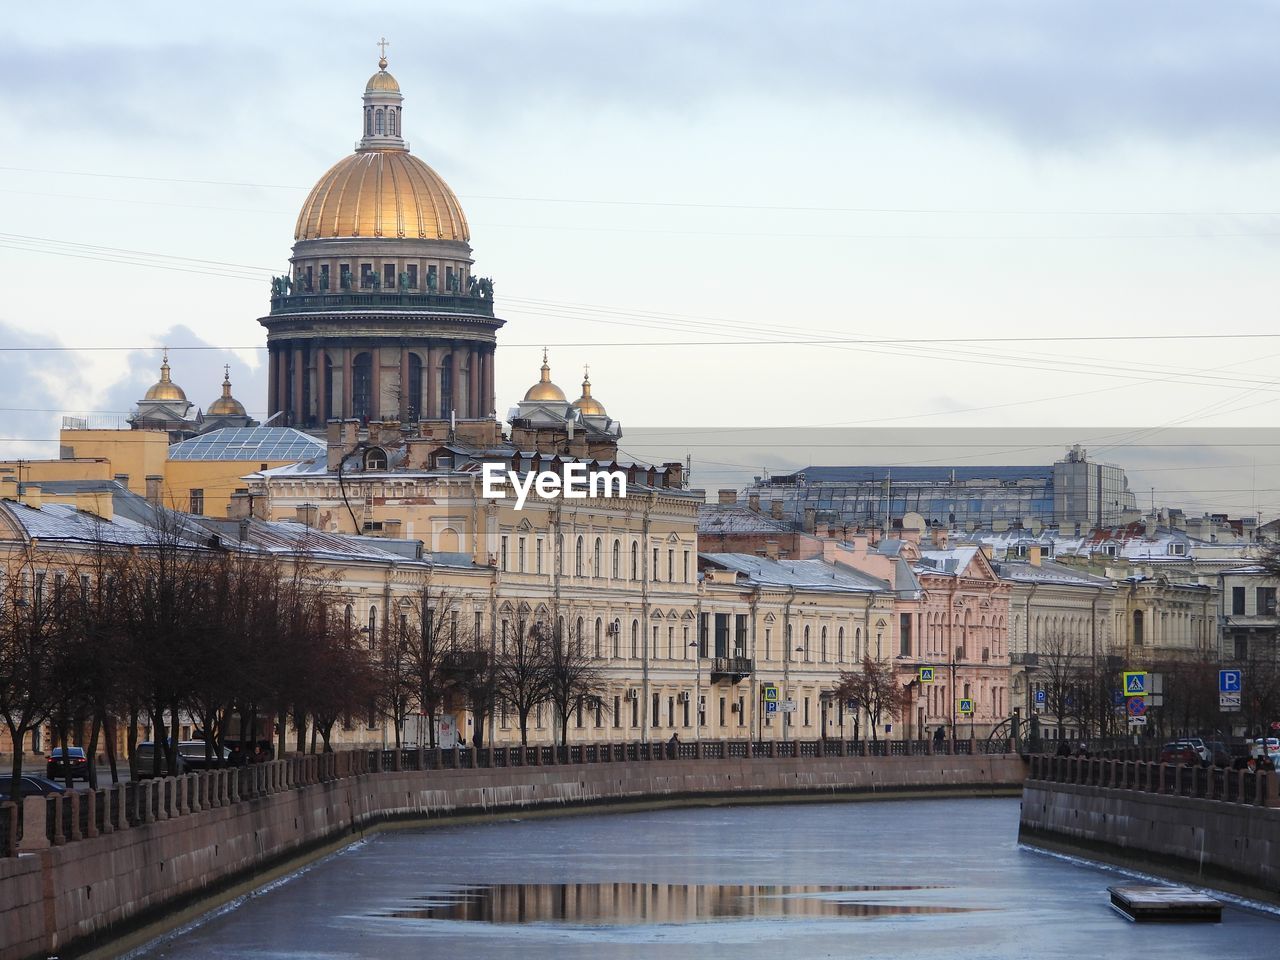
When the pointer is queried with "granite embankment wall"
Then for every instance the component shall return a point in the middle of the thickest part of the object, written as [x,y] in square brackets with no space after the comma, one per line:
[1220,828]
[98,870]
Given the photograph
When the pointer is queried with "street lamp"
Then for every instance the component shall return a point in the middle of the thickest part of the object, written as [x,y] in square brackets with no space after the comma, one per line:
[697,691]
[786,687]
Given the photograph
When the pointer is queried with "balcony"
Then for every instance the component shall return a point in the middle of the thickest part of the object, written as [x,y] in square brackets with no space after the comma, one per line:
[460,664]
[375,300]
[731,669]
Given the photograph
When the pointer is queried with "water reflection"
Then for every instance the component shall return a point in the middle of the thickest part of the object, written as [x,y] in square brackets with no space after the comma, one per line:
[636,903]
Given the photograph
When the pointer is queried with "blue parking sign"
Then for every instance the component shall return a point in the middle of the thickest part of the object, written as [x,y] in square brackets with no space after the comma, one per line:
[1230,681]
[771,706]
[1041,697]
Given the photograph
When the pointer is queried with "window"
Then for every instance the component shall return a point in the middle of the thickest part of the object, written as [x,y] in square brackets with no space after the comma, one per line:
[655,720]
[654,572]
[1237,601]
[389,276]
[520,554]
[684,645]
[577,646]
[684,577]
[373,627]
[740,635]
[615,628]
[367,277]
[344,275]
[1137,627]
[617,712]
[362,386]
[703,629]
[722,635]
[368,123]
[375,459]
[671,566]
[379,121]
[840,645]
[412,270]
[324,277]
[823,642]
[197,502]
[635,639]
[596,569]
[671,643]
[904,634]
[538,554]
[722,711]
[806,642]
[599,638]
[1266,601]
[577,559]
[806,711]
[393,121]
[617,558]
[768,643]
[635,561]
[502,554]
[742,711]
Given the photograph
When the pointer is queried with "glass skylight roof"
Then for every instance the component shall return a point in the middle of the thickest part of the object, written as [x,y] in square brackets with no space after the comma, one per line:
[262,444]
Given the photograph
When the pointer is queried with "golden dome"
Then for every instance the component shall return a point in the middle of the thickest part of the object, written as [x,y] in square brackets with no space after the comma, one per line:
[382,193]
[164,388]
[382,82]
[544,389]
[226,405]
[587,405]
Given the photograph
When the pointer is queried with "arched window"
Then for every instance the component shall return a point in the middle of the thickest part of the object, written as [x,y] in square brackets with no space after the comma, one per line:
[577,559]
[368,122]
[413,402]
[824,644]
[790,651]
[616,630]
[375,459]
[599,638]
[596,569]
[378,122]
[446,386]
[577,640]
[840,645]
[362,386]
[393,122]
[806,643]
[617,558]
[347,618]
[635,638]
[373,627]
[857,644]
[635,560]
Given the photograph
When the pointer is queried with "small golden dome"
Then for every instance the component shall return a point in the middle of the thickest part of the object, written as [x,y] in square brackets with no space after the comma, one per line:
[226,405]
[382,82]
[382,193]
[587,405]
[164,388]
[544,389]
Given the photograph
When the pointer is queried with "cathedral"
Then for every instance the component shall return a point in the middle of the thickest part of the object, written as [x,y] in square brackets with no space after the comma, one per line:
[382,319]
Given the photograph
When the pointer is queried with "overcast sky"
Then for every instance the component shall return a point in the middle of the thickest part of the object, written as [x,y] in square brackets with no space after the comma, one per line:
[638,174]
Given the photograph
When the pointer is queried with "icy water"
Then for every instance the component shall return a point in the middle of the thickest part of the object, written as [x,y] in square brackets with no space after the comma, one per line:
[909,879]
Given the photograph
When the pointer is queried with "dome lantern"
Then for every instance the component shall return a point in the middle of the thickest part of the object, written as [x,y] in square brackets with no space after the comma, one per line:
[226,405]
[544,389]
[165,388]
[381,114]
[587,405]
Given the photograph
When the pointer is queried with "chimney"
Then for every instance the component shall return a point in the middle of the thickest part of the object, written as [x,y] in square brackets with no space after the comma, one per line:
[775,509]
[699,494]
[95,504]
[771,549]
[1033,555]
[728,495]
[122,479]
[753,502]
[940,537]
[810,519]
[153,488]
[29,494]
[308,514]
[10,491]
[238,507]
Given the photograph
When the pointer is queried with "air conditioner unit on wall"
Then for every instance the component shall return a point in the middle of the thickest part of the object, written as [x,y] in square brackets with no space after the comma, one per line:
[682,696]
[633,694]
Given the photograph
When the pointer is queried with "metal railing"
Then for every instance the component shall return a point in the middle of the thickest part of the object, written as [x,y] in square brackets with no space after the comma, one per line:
[1181,780]
[368,299]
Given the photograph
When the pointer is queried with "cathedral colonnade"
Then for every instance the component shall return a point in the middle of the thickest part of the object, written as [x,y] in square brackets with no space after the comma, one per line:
[310,383]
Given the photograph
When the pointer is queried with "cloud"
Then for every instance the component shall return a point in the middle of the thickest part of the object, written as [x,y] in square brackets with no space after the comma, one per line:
[36,383]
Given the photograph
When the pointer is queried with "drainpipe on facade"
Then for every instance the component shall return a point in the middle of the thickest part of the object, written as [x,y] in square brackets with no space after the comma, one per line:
[786,661]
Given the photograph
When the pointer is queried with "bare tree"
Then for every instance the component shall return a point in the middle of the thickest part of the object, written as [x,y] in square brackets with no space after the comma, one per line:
[520,680]
[875,690]
[572,680]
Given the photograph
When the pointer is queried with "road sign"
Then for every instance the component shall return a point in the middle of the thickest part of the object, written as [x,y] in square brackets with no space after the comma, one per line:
[1229,701]
[1135,683]
[926,674]
[965,707]
[1117,698]
[1137,706]
[851,704]
[771,706]
[787,706]
[1137,721]
[1041,698]
[770,693]
[1230,681]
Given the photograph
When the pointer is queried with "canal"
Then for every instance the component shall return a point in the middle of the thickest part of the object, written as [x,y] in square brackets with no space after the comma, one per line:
[903,879]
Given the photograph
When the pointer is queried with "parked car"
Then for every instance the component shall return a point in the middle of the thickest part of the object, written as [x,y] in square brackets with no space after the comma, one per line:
[1201,748]
[1265,747]
[1219,754]
[144,760]
[195,756]
[32,786]
[1179,751]
[56,768]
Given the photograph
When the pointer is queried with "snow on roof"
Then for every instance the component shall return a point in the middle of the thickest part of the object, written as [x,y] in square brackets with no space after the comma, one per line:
[805,574]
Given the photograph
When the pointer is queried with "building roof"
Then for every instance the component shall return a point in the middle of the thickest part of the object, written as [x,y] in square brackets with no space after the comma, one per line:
[1048,572]
[801,574]
[819,474]
[249,443]
[727,518]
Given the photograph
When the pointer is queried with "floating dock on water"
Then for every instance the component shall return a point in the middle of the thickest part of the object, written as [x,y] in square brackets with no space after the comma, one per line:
[1152,903]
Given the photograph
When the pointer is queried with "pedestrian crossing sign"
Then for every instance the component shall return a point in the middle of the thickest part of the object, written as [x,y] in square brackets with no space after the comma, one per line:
[926,674]
[1135,683]
[966,707]
[770,694]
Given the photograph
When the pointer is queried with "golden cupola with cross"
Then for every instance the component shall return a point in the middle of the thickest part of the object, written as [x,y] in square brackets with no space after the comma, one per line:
[381,315]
